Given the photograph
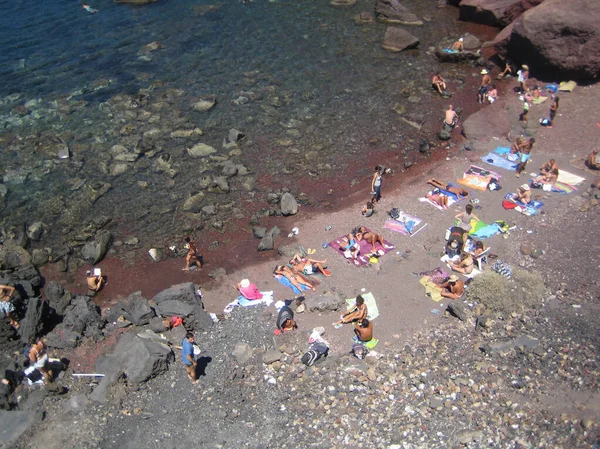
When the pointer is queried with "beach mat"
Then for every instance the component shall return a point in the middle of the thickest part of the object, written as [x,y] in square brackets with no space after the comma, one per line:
[563,188]
[483,230]
[567,86]
[372,309]
[365,249]
[431,289]
[482,172]
[569,178]
[266,299]
[499,161]
[405,224]
[539,100]
[500,151]
[285,281]
[474,182]
[525,209]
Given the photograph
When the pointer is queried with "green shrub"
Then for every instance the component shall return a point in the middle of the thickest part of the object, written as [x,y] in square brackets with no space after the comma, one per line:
[503,296]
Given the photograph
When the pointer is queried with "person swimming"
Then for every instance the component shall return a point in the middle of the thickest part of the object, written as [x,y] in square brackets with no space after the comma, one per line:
[89,9]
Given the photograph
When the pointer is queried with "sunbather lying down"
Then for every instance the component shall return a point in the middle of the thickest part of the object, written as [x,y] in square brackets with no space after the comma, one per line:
[308,266]
[437,197]
[296,279]
[350,244]
[363,233]
[460,193]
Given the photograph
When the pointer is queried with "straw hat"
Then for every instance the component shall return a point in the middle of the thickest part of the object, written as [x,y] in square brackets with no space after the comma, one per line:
[525,187]
[525,67]
[461,39]
[484,72]
[245,283]
[453,278]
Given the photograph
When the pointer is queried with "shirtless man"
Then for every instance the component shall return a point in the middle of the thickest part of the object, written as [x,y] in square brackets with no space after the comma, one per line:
[524,155]
[460,193]
[451,118]
[458,45]
[6,293]
[485,85]
[453,288]
[357,313]
[307,266]
[364,330]
[95,283]
[193,255]
[39,357]
[593,161]
[439,83]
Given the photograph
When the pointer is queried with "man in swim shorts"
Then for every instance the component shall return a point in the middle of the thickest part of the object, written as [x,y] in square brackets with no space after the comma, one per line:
[451,118]
[308,266]
[485,85]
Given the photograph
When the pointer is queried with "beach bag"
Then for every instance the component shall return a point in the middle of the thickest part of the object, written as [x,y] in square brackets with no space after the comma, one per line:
[394,213]
[360,351]
[316,351]
[544,122]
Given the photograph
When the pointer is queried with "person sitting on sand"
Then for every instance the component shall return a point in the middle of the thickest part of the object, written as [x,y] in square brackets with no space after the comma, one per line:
[459,235]
[524,194]
[193,255]
[6,306]
[368,209]
[285,320]
[465,265]
[517,145]
[308,266]
[593,160]
[451,117]
[363,330]
[453,288]
[248,290]
[357,313]
[95,282]
[363,233]
[437,197]
[439,83]
[460,193]
[296,279]
[350,246]
[548,167]
[507,70]
[548,178]
[458,45]
[463,219]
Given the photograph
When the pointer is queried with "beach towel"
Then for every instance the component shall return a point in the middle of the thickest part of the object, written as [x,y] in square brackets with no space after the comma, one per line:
[472,274]
[569,178]
[501,151]
[372,309]
[539,100]
[431,289]
[563,188]
[365,252]
[369,344]
[266,299]
[482,172]
[552,87]
[525,209]
[436,275]
[404,224]
[499,161]
[483,231]
[449,50]
[474,182]
[285,281]
[567,86]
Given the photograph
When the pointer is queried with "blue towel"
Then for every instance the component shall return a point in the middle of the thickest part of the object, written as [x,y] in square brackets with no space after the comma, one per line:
[502,150]
[499,161]
[285,281]
[245,302]
[449,50]
[487,231]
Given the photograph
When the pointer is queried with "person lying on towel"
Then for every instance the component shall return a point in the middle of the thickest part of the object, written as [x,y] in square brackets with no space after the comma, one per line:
[362,233]
[453,288]
[350,246]
[364,330]
[357,313]
[296,279]
[437,197]
[460,193]
[308,266]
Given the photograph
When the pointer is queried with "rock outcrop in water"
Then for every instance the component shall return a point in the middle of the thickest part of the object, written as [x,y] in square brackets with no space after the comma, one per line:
[392,11]
[396,39]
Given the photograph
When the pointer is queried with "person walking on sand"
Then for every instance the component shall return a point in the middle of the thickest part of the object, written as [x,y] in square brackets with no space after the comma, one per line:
[451,118]
[553,109]
[485,85]
[193,255]
[376,184]
[524,155]
[188,358]
[6,306]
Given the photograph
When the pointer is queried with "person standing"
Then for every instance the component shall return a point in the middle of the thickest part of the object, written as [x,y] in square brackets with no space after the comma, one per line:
[193,255]
[38,356]
[376,184]
[523,116]
[524,155]
[188,358]
[522,77]
[553,109]
[483,88]
[6,306]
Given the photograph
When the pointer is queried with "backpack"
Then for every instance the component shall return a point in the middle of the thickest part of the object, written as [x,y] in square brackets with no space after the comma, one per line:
[317,350]
[394,213]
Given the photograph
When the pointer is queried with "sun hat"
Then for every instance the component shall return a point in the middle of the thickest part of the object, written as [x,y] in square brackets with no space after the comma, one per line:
[484,72]
[525,187]
[453,278]
[525,67]
[88,273]
[461,39]
[245,283]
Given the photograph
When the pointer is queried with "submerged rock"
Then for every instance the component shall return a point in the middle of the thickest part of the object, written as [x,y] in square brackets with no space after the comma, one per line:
[392,11]
[396,39]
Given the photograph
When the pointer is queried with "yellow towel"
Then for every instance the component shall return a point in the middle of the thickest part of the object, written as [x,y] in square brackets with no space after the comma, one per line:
[567,86]
[431,289]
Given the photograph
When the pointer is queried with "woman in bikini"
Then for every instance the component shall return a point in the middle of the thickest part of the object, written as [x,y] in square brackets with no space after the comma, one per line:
[460,193]
[296,279]
[438,198]
[363,233]
[465,265]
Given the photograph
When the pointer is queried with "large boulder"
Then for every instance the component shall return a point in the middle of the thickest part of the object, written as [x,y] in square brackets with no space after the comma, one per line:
[185,293]
[461,56]
[13,256]
[14,423]
[502,39]
[138,358]
[58,297]
[494,12]
[82,316]
[327,302]
[487,123]
[392,11]
[267,243]
[560,39]
[396,39]
[95,250]
[62,337]
[33,323]
[174,308]
[135,309]
[288,204]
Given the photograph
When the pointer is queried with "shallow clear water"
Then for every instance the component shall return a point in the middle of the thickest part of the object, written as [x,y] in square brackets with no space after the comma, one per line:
[321,94]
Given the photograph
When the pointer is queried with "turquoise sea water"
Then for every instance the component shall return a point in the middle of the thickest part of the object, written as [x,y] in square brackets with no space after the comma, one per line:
[320,93]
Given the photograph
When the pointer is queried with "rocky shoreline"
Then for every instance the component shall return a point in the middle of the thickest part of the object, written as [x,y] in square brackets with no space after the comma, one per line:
[520,379]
